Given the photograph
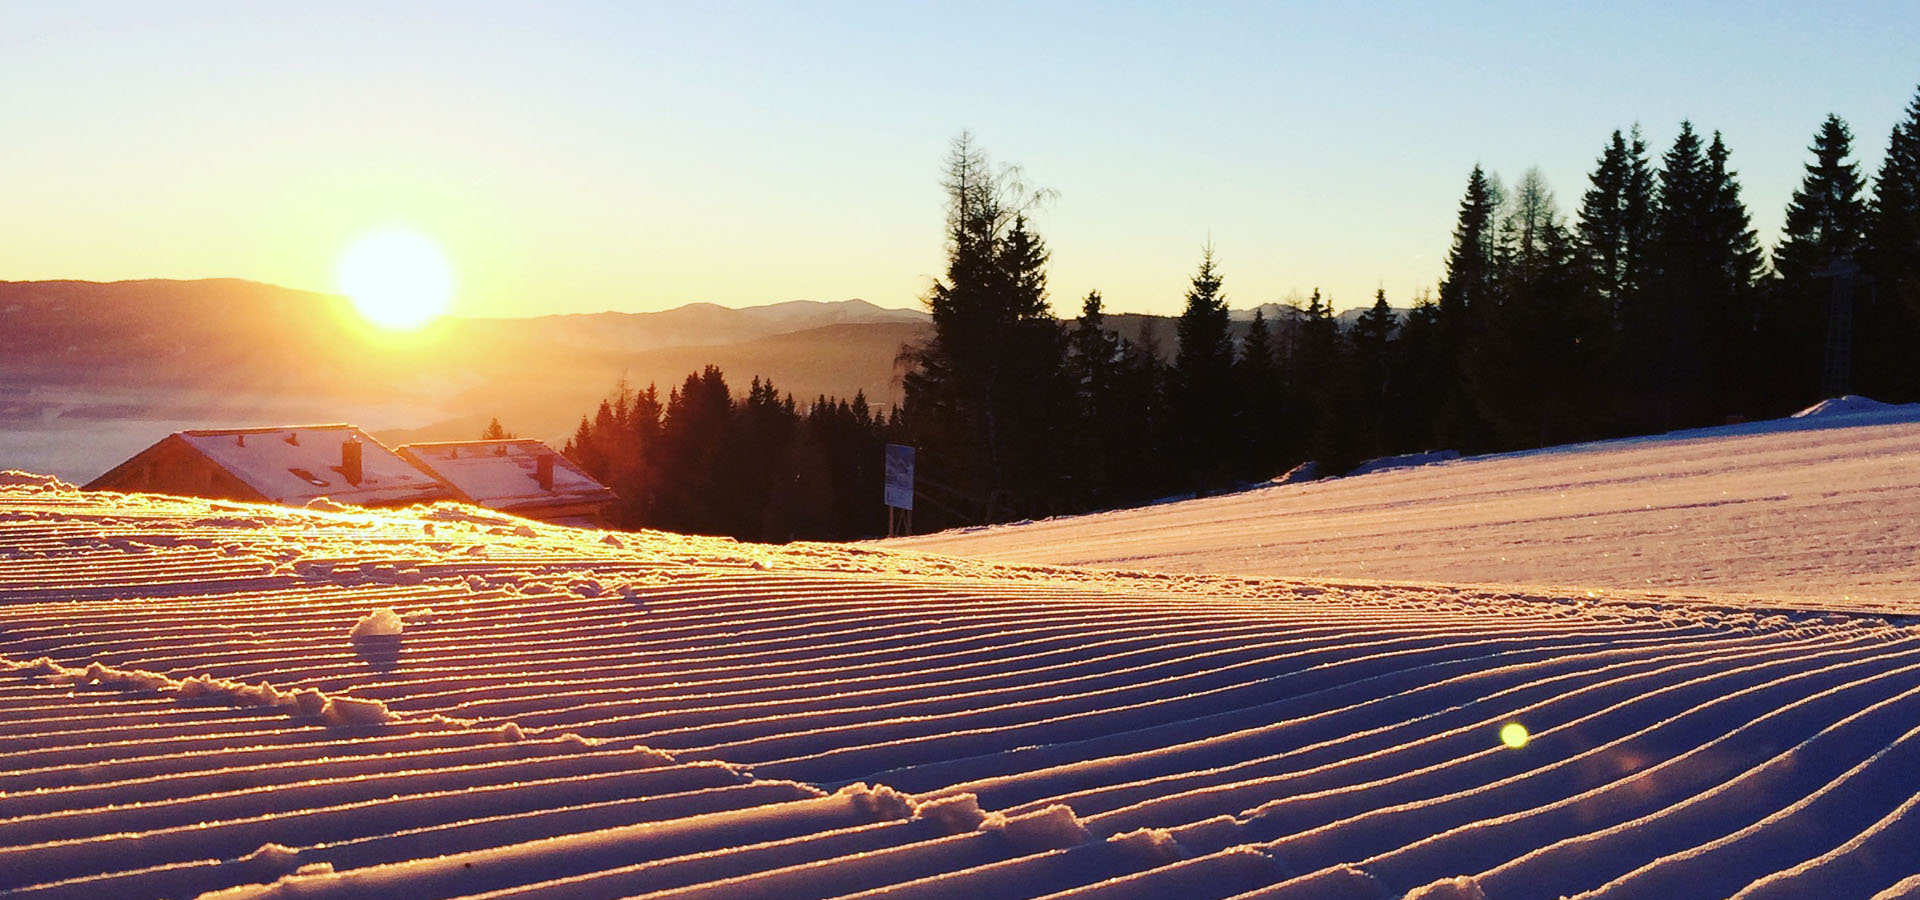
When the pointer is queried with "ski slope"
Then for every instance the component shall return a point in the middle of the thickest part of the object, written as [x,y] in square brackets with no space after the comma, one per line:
[216,700]
[1817,511]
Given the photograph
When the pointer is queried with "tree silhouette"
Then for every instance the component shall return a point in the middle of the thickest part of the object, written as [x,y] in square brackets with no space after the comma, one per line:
[989,382]
[1202,394]
[1890,319]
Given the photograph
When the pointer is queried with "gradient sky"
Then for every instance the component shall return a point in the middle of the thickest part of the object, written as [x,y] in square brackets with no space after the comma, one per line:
[586,156]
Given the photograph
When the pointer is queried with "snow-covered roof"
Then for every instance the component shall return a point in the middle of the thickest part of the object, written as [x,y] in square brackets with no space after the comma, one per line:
[295,464]
[505,475]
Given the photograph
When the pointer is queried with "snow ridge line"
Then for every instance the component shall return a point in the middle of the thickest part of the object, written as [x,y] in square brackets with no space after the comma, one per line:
[336,709]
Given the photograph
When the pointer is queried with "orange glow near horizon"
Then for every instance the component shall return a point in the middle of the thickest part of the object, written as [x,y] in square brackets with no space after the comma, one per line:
[397,279]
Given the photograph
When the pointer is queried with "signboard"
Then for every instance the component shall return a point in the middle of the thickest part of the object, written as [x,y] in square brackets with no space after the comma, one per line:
[899,476]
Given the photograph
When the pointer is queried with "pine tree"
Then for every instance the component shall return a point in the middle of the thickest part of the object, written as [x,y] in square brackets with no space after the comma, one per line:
[1661,366]
[1466,292]
[1416,386]
[1204,400]
[1824,235]
[1826,219]
[1372,372]
[989,381]
[1736,267]
[1468,282]
[1637,209]
[1891,318]
[495,431]
[1094,365]
[1262,407]
[1602,227]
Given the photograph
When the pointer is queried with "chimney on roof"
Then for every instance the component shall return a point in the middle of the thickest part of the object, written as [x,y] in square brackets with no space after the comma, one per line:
[350,460]
[543,471]
[241,439]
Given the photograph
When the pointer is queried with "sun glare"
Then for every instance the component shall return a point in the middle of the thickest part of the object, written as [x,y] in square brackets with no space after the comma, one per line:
[397,279]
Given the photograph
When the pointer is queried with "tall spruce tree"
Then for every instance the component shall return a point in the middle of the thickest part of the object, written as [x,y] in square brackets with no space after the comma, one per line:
[1826,219]
[1094,365]
[1204,399]
[1821,245]
[1637,209]
[1371,373]
[1662,335]
[1602,224]
[1262,407]
[1466,291]
[1891,322]
[1616,223]
[1737,266]
[989,381]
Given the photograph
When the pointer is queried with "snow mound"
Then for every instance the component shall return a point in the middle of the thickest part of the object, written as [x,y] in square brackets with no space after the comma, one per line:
[1846,405]
[1052,828]
[355,711]
[955,813]
[1404,461]
[382,622]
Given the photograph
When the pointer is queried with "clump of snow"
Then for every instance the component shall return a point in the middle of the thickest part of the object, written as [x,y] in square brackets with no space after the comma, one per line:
[1155,846]
[17,478]
[879,802]
[124,679]
[382,622]
[511,733]
[1845,405]
[1462,887]
[955,813]
[269,862]
[308,702]
[233,693]
[1052,828]
[613,540]
[323,504]
[355,711]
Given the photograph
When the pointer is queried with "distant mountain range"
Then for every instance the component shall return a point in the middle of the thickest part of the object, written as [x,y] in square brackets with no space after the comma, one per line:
[92,372]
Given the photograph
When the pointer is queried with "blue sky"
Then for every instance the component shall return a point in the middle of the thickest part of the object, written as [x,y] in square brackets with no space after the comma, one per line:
[638,156]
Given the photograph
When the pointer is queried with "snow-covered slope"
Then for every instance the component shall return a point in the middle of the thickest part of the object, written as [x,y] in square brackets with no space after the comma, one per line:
[200,698]
[1821,510]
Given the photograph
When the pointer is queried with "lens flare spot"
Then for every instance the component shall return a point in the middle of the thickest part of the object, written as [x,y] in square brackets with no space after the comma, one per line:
[1514,735]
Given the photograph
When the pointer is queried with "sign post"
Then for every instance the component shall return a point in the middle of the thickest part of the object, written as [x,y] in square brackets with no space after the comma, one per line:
[899,490]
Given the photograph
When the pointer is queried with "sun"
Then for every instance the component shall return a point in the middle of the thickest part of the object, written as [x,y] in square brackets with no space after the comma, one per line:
[397,279]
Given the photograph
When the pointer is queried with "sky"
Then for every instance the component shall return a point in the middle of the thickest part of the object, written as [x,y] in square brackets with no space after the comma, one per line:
[573,157]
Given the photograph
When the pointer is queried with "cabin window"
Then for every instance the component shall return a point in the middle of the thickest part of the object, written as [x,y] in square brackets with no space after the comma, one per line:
[307,477]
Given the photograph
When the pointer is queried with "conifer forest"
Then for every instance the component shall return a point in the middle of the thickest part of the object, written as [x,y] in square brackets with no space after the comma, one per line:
[1653,305]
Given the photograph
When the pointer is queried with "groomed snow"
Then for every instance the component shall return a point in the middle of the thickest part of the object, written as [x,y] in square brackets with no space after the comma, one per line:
[540,712]
[1819,510]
